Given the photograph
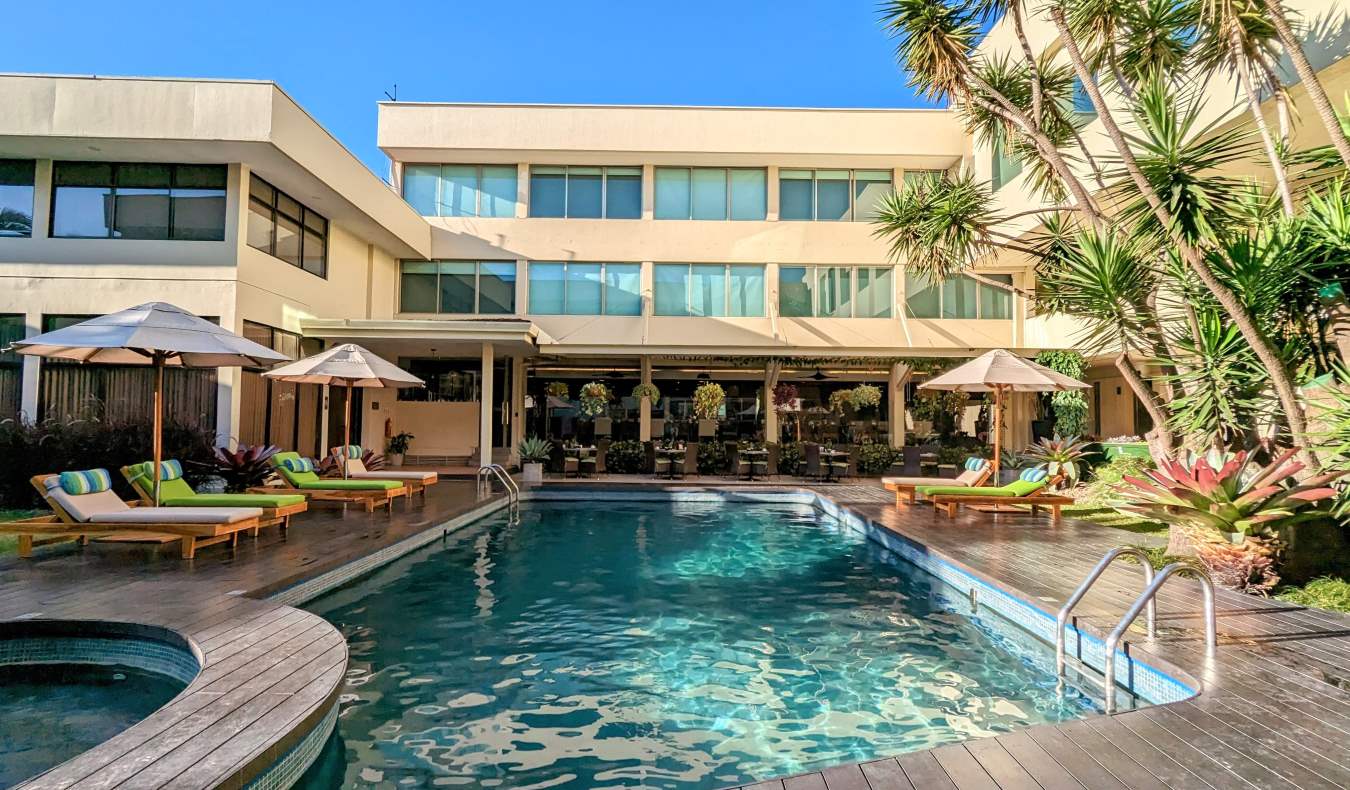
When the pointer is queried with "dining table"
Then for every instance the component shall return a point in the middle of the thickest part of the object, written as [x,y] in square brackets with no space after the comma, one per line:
[676,456]
[827,455]
[752,455]
[579,452]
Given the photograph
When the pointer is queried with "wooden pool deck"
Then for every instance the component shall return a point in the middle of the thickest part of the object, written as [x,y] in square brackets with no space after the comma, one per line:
[1274,710]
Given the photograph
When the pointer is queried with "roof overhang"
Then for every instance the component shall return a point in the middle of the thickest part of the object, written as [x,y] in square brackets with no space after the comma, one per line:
[423,337]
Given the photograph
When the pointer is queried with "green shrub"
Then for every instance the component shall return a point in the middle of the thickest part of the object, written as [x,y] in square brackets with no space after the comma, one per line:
[1105,478]
[712,458]
[1327,592]
[790,458]
[626,457]
[874,459]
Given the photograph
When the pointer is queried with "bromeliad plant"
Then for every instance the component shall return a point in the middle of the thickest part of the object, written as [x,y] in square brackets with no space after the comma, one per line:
[329,466]
[1059,456]
[1230,497]
[595,398]
[244,466]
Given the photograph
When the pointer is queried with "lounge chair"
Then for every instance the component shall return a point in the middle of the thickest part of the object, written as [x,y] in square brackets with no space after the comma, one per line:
[1029,489]
[975,472]
[356,470]
[85,507]
[298,473]
[174,491]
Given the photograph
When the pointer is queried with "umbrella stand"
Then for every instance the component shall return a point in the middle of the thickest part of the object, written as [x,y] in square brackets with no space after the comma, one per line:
[998,426]
[157,440]
[346,428]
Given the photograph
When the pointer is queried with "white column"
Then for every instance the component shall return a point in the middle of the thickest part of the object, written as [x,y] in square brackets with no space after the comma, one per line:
[645,405]
[485,409]
[648,191]
[517,404]
[771,373]
[895,397]
[771,196]
[522,190]
[32,370]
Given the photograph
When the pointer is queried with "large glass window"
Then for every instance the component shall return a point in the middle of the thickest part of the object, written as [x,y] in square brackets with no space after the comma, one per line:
[575,288]
[461,190]
[710,193]
[708,289]
[831,195]
[458,287]
[16,197]
[104,200]
[585,192]
[835,291]
[281,226]
[958,297]
[1005,167]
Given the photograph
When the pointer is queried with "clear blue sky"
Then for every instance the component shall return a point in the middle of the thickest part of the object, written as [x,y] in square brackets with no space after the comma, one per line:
[338,58]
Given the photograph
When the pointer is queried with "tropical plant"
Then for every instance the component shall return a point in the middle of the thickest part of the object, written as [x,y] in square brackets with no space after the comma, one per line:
[625,457]
[1242,568]
[398,443]
[708,400]
[874,458]
[1069,406]
[1059,456]
[1229,496]
[594,398]
[712,458]
[865,396]
[839,400]
[331,466]
[789,458]
[941,407]
[1107,477]
[534,450]
[558,389]
[648,391]
[245,466]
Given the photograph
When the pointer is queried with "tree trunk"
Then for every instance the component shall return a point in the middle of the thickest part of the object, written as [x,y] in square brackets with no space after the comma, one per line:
[1161,441]
[1244,76]
[1294,49]
[1242,319]
[1015,7]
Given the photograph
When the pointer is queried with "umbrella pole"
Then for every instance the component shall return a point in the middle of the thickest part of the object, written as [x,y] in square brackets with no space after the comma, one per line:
[998,427]
[157,441]
[347,428]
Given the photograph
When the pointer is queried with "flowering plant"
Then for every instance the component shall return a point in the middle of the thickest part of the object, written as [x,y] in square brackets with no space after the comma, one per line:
[595,398]
[558,389]
[708,400]
[648,391]
[864,396]
[784,396]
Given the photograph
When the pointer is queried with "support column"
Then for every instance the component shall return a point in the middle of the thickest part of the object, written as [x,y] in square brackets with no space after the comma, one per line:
[485,408]
[517,405]
[895,399]
[771,373]
[645,405]
[32,371]
[323,419]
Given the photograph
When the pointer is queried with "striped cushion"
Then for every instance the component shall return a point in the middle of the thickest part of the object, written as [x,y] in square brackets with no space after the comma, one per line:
[975,464]
[354,451]
[1033,475]
[299,464]
[168,470]
[91,481]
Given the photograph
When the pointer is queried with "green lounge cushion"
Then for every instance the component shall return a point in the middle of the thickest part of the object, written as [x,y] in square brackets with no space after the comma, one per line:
[1025,487]
[968,490]
[234,500]
[333,484]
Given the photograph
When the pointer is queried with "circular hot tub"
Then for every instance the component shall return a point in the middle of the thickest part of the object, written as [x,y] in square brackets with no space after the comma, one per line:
[68,685]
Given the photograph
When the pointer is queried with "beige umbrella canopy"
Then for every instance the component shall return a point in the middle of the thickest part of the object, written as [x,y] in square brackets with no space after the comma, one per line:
[155,333]
[999,372]
[349,365]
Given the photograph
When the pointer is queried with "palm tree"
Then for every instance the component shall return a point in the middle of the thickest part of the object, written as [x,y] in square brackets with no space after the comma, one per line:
[1294,49]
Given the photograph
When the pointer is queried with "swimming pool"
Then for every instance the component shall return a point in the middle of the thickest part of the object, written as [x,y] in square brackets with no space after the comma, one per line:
[679,644]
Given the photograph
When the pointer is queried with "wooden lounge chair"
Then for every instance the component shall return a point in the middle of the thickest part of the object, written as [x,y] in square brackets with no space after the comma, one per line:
[101,514]
[174,491]
[1029,490]
[302,480]
[975,472]
[416,482]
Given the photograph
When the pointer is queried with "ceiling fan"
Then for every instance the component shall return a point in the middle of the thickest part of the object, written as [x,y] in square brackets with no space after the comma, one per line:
[819,375]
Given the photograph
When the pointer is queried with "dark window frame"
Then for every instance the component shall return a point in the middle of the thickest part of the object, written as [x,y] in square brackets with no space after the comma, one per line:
[113,169]
[32,193]
[302,223]
[477,286]
[604,189]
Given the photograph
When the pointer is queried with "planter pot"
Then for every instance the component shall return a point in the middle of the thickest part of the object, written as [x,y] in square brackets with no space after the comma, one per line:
[533,472]
[1006,476]
[603,425]
[394,459]
[707,428]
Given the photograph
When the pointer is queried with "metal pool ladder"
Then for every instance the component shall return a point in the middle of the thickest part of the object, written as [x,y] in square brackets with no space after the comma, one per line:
[487,472]
[1144,603]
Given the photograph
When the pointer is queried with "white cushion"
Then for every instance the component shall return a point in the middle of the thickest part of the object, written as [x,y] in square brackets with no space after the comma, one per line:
[424,477]
[968,477]
[180,515]
[355,466]
[83,507]
[923,481]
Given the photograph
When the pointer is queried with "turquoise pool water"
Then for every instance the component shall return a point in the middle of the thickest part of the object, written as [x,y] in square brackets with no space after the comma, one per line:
[52,712]
[679,645]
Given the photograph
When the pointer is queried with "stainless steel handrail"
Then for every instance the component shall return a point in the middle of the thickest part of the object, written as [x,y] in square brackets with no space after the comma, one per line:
[497,470]
[1062,620]
[1146,598]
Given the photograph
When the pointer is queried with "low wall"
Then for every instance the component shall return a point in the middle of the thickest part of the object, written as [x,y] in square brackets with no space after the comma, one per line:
[441,428]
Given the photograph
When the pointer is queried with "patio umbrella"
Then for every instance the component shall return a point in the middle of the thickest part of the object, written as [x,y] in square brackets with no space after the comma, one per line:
[157,334]
[349,365]
[1000,372]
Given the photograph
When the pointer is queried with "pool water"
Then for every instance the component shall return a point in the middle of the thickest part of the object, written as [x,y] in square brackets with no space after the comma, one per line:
[52,712]
[678,645]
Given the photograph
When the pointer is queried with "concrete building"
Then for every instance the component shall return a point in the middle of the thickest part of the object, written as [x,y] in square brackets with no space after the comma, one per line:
[512,247]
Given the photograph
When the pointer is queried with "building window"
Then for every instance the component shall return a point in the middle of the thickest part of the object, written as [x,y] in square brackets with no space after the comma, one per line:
[461,287]
[12,327]
[835,291]
[919,176]
[1083,111]
[582,192]
[958,297]
[575,288]
[708,289]
[711,193]
[16,197]
[101,200]
[831,195]
[280,226]
[461,190]
[1004,167]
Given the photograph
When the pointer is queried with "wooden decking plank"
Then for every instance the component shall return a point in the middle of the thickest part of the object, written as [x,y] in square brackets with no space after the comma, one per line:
[963,769]
[886,775]
[1197,761]
[925,772]
[805,782]
[1000,765]
[1037,762]
[1233,751]
[1274,750]
[1160,764]
[1084,767]
[772,784]
[1327,744]
[844,777]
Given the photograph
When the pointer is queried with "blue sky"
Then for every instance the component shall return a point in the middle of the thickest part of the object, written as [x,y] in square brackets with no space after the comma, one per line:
[337,58]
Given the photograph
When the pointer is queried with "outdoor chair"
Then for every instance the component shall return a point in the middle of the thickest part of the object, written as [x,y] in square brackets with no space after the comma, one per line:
[300,478]
[736,465]
[588,463]
[649,457]
[837,466]
[174,491]
[911,455]
[691,459]
[974,473]
[811,468]
[1029,489]
[771,460]
[416,482]
[84,507]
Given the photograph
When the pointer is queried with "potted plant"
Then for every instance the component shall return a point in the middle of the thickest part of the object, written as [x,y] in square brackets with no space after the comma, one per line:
[648,391]
[397,447]
[865,398]
[558,389]
[1059,456]
[708,400]
[533,452]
